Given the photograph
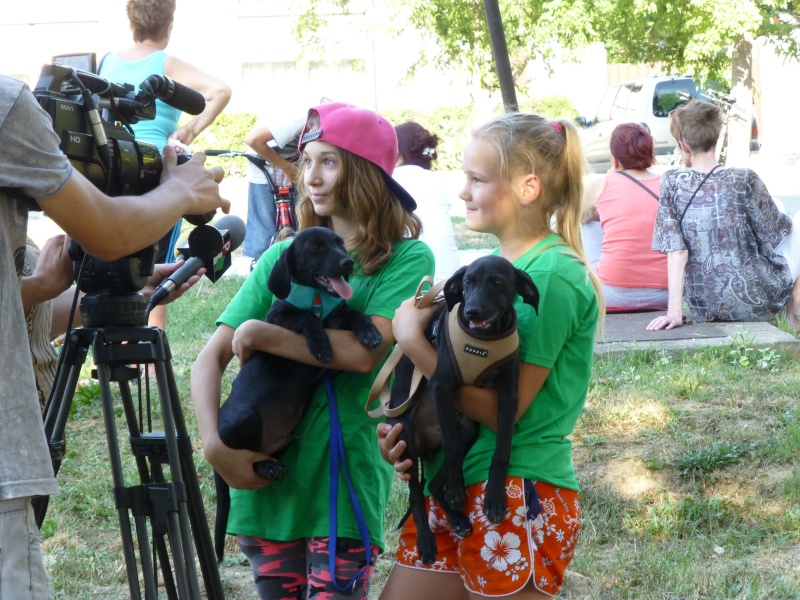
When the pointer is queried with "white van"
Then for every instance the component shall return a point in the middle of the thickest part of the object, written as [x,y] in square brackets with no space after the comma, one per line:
[646,100]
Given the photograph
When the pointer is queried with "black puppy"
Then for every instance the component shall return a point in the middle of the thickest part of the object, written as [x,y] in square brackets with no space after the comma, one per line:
[476,343]
[271,394]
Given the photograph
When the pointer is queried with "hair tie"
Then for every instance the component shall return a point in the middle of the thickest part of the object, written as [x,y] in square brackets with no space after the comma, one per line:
[429,152]
[557,126]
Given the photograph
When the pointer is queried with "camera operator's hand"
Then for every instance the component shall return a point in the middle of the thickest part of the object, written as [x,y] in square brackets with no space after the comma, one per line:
[200,186]
[163,270]
[53,273]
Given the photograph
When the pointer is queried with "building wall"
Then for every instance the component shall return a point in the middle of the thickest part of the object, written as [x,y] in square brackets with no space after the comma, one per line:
[776,101]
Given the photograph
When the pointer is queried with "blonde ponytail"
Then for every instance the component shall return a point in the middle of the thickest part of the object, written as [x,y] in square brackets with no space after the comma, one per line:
[530,143]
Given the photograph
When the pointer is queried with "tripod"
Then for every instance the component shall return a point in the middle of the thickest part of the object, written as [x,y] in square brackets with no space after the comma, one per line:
[172,507]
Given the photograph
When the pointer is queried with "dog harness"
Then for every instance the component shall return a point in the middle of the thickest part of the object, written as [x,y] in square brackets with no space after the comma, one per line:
[476,356]
[319,302]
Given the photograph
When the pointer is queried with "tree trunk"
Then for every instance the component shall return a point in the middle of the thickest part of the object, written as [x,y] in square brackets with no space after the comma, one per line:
[741,116]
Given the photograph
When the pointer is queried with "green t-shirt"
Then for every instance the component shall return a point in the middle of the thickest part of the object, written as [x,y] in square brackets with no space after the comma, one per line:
[560,338]
[297,507]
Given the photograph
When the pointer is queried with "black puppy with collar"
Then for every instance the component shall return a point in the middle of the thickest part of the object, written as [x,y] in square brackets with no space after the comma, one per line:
[271,394]
[479,299]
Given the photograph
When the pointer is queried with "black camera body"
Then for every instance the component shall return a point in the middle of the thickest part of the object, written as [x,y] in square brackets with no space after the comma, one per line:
[92,119]
[132,168]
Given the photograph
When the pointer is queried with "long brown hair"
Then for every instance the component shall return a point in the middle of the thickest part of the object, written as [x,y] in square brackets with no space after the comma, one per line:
[529,143]
[362,192]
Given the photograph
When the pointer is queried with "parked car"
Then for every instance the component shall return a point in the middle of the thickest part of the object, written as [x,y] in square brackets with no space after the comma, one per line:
[645,100]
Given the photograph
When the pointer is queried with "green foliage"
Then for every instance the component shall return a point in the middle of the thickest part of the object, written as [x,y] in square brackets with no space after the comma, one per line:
[707,459]
[86,399]
[466,239]
[552,107]
[690,517]
[685,37]
[741,353]
[227,132]
[458,28]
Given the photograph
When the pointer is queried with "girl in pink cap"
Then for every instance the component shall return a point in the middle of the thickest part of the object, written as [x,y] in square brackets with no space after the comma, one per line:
[285,528]
[524,185]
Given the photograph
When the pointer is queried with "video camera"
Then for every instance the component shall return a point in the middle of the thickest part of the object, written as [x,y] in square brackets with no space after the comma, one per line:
[92,118]
[103,147]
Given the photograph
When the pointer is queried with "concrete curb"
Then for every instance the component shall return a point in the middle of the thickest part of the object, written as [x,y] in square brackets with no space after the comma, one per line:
[754,334]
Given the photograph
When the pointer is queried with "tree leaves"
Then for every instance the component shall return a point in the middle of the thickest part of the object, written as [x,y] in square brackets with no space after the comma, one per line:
[682,36]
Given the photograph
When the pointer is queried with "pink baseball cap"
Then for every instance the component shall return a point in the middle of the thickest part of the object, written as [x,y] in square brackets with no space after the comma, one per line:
[364,133]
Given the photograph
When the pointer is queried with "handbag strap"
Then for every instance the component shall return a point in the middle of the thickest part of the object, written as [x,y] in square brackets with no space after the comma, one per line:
[639,183]
[685,208]
[380,387]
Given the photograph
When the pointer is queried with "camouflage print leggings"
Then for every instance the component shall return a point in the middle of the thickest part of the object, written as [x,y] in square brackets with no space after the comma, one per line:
[298,570]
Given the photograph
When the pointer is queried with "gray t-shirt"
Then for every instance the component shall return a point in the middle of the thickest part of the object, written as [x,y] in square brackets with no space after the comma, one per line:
[31,163]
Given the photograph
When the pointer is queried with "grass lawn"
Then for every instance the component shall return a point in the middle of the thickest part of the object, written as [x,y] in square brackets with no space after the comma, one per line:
[689,466]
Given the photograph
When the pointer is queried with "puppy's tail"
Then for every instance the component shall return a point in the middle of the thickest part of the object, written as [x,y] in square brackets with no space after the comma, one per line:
[223,509]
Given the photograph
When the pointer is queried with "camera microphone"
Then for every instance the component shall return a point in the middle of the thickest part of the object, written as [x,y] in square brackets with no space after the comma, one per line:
[173,93]
[210,246]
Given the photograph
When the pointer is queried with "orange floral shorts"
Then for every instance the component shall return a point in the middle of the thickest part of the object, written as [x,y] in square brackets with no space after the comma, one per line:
[536,540]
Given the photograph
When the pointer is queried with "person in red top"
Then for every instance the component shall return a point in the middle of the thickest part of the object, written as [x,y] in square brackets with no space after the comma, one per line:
[618,245]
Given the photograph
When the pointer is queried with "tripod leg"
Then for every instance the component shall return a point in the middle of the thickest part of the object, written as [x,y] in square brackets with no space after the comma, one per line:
[160,552]
[120,492]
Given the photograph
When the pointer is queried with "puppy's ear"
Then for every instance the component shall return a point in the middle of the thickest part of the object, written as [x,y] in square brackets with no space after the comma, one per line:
[527,289]
[280,278]
[454,288]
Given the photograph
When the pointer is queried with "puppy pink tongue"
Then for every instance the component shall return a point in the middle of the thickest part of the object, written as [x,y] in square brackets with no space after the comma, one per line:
[341,287]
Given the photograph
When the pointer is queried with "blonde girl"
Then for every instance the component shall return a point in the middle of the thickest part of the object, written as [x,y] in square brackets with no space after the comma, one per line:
[524,185]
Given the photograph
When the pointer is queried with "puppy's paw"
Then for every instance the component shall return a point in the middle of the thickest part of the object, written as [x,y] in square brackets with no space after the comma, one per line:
[454,496]
[323,355]
[494,505]
[426,544]
[368,336]
[460,525]
[270,469]
[320,349]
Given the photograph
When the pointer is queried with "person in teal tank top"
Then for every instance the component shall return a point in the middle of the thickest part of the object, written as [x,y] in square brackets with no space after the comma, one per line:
[151,24]
[117,69]
[284,527]
[523,172]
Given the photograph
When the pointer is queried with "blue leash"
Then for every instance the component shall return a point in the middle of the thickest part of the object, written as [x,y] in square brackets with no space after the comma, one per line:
[337,459]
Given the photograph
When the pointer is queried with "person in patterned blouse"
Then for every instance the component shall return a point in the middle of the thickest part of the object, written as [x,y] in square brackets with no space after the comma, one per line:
[731,251]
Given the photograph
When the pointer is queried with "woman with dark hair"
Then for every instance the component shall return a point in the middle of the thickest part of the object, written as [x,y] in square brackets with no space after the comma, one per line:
[416,151]
[618,244]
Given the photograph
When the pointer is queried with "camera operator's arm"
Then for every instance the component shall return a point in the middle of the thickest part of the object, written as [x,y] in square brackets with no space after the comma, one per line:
[257,140]
[216,92]
[110,228]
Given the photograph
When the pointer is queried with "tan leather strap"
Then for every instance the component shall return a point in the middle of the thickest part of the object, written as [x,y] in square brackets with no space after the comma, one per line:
[380,387]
